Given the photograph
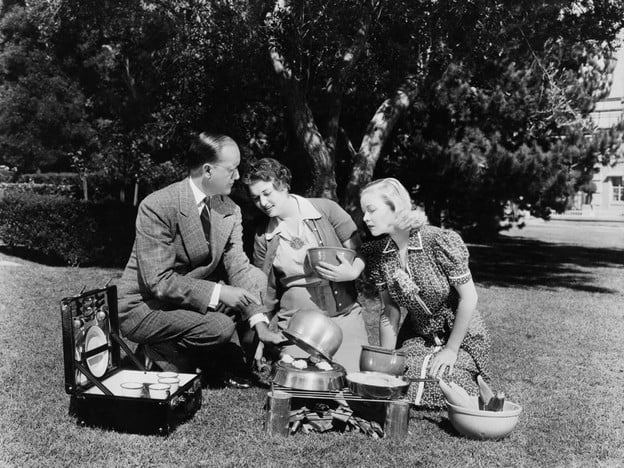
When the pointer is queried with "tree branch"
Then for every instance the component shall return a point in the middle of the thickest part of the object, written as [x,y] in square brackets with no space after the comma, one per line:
[379,128]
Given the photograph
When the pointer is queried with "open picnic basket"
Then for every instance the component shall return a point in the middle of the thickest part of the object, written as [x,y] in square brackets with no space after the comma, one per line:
[102,393]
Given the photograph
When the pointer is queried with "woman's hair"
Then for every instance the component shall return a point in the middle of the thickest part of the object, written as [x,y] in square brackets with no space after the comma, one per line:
[268,170]
[206,148]
[392,192]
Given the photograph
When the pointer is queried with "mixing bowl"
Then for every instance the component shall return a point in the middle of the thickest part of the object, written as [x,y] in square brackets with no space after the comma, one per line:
[329,255]
[378,359]
[315,333]
[481,424]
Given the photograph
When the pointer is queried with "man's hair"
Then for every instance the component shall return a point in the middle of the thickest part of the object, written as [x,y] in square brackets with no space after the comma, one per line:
[205,148]
[392,192]
[268,170]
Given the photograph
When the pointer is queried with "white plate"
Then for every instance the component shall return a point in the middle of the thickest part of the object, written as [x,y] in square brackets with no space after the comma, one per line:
[97,363]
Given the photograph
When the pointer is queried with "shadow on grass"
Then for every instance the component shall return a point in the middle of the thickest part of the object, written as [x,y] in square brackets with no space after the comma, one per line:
[444,424]
[32,256]
[517,262]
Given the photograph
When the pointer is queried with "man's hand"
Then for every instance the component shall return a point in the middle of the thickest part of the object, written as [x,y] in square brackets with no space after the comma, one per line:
[414,219]
[267,336]
[345,271]
[237,298]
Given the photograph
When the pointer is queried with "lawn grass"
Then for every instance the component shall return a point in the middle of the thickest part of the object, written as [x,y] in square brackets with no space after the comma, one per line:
[554,311]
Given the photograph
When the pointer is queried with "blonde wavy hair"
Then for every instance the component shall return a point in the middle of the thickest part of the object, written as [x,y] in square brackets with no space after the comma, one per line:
[391,191]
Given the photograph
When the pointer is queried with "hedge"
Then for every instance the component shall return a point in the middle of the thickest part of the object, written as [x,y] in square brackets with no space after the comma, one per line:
[39,189]
[56,178]
[66,230]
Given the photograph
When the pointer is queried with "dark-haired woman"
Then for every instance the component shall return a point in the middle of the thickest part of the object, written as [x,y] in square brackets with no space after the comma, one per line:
[296,224]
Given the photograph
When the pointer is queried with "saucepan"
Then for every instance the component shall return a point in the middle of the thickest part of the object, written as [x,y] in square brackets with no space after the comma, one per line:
[378,359]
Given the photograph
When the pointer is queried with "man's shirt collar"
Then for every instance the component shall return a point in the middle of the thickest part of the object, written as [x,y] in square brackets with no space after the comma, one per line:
[198,195]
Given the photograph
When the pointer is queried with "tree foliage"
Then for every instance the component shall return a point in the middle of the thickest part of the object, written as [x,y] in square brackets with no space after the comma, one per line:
[471,104]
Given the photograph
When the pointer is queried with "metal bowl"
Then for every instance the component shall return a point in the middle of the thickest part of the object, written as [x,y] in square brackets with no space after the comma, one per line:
[309,379]
[315,333]
[329,255]
[377,385]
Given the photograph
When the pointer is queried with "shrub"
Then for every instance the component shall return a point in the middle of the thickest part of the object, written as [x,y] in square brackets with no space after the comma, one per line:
[72,231]
[55,178]
[99,186]
[6,175]
[39,189]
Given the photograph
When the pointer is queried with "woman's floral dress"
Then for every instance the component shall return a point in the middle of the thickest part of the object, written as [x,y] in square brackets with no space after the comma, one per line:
[437,260]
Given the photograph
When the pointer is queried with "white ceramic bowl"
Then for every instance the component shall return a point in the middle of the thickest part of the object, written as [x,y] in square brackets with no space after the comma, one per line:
[159,391]
[481,424]
[132,389]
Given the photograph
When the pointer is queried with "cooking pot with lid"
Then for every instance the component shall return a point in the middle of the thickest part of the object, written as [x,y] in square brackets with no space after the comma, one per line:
[315,333]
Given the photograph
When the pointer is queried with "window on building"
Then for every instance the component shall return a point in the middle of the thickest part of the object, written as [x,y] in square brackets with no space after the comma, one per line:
[618,189]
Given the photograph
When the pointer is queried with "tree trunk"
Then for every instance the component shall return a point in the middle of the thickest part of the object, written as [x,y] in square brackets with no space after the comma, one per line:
[377,133]
[85,188]
[308,134]
[135,200]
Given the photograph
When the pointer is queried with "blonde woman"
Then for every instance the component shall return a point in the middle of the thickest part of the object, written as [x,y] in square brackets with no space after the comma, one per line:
[426,271]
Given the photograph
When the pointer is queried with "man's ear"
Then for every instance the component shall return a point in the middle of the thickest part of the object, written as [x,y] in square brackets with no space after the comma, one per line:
[207,169]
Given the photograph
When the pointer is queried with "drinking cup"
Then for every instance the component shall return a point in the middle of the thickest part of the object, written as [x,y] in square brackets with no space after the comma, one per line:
[131,389]
[159,391]
[165,375]
[173,382]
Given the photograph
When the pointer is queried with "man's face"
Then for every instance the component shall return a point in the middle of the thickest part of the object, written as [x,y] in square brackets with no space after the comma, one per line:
[219,177]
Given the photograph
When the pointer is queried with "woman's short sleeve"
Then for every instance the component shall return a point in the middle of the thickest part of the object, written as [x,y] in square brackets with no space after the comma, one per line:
[370,251]
[342,223]
[452,255]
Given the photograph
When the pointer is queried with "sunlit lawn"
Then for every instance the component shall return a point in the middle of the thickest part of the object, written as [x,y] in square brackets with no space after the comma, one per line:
[554,310]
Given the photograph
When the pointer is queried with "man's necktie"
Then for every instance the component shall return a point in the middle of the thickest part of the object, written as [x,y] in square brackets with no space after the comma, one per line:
[205,220]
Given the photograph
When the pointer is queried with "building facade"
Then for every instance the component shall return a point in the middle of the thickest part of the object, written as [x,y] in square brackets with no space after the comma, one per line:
[607,201]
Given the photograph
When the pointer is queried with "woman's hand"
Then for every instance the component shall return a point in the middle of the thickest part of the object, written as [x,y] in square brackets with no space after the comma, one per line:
[414,219]
[442,361]
[344,271]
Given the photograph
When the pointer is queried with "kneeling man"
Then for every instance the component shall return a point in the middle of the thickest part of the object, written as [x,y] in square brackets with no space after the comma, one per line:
[172,295]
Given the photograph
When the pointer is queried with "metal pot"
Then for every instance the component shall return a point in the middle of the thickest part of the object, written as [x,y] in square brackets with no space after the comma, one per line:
[377,385]
[309,379]
[315,333]
[381,385]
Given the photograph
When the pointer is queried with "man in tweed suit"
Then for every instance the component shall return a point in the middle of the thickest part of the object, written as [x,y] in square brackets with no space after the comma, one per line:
[171,299]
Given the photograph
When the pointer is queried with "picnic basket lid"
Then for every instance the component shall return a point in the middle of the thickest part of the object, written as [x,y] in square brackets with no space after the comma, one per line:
[91,343]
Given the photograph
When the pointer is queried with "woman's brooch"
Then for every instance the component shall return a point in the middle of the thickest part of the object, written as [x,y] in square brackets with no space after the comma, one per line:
[296,243]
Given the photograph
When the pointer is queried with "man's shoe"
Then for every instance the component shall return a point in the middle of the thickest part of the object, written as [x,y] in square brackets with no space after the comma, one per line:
[236,381]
